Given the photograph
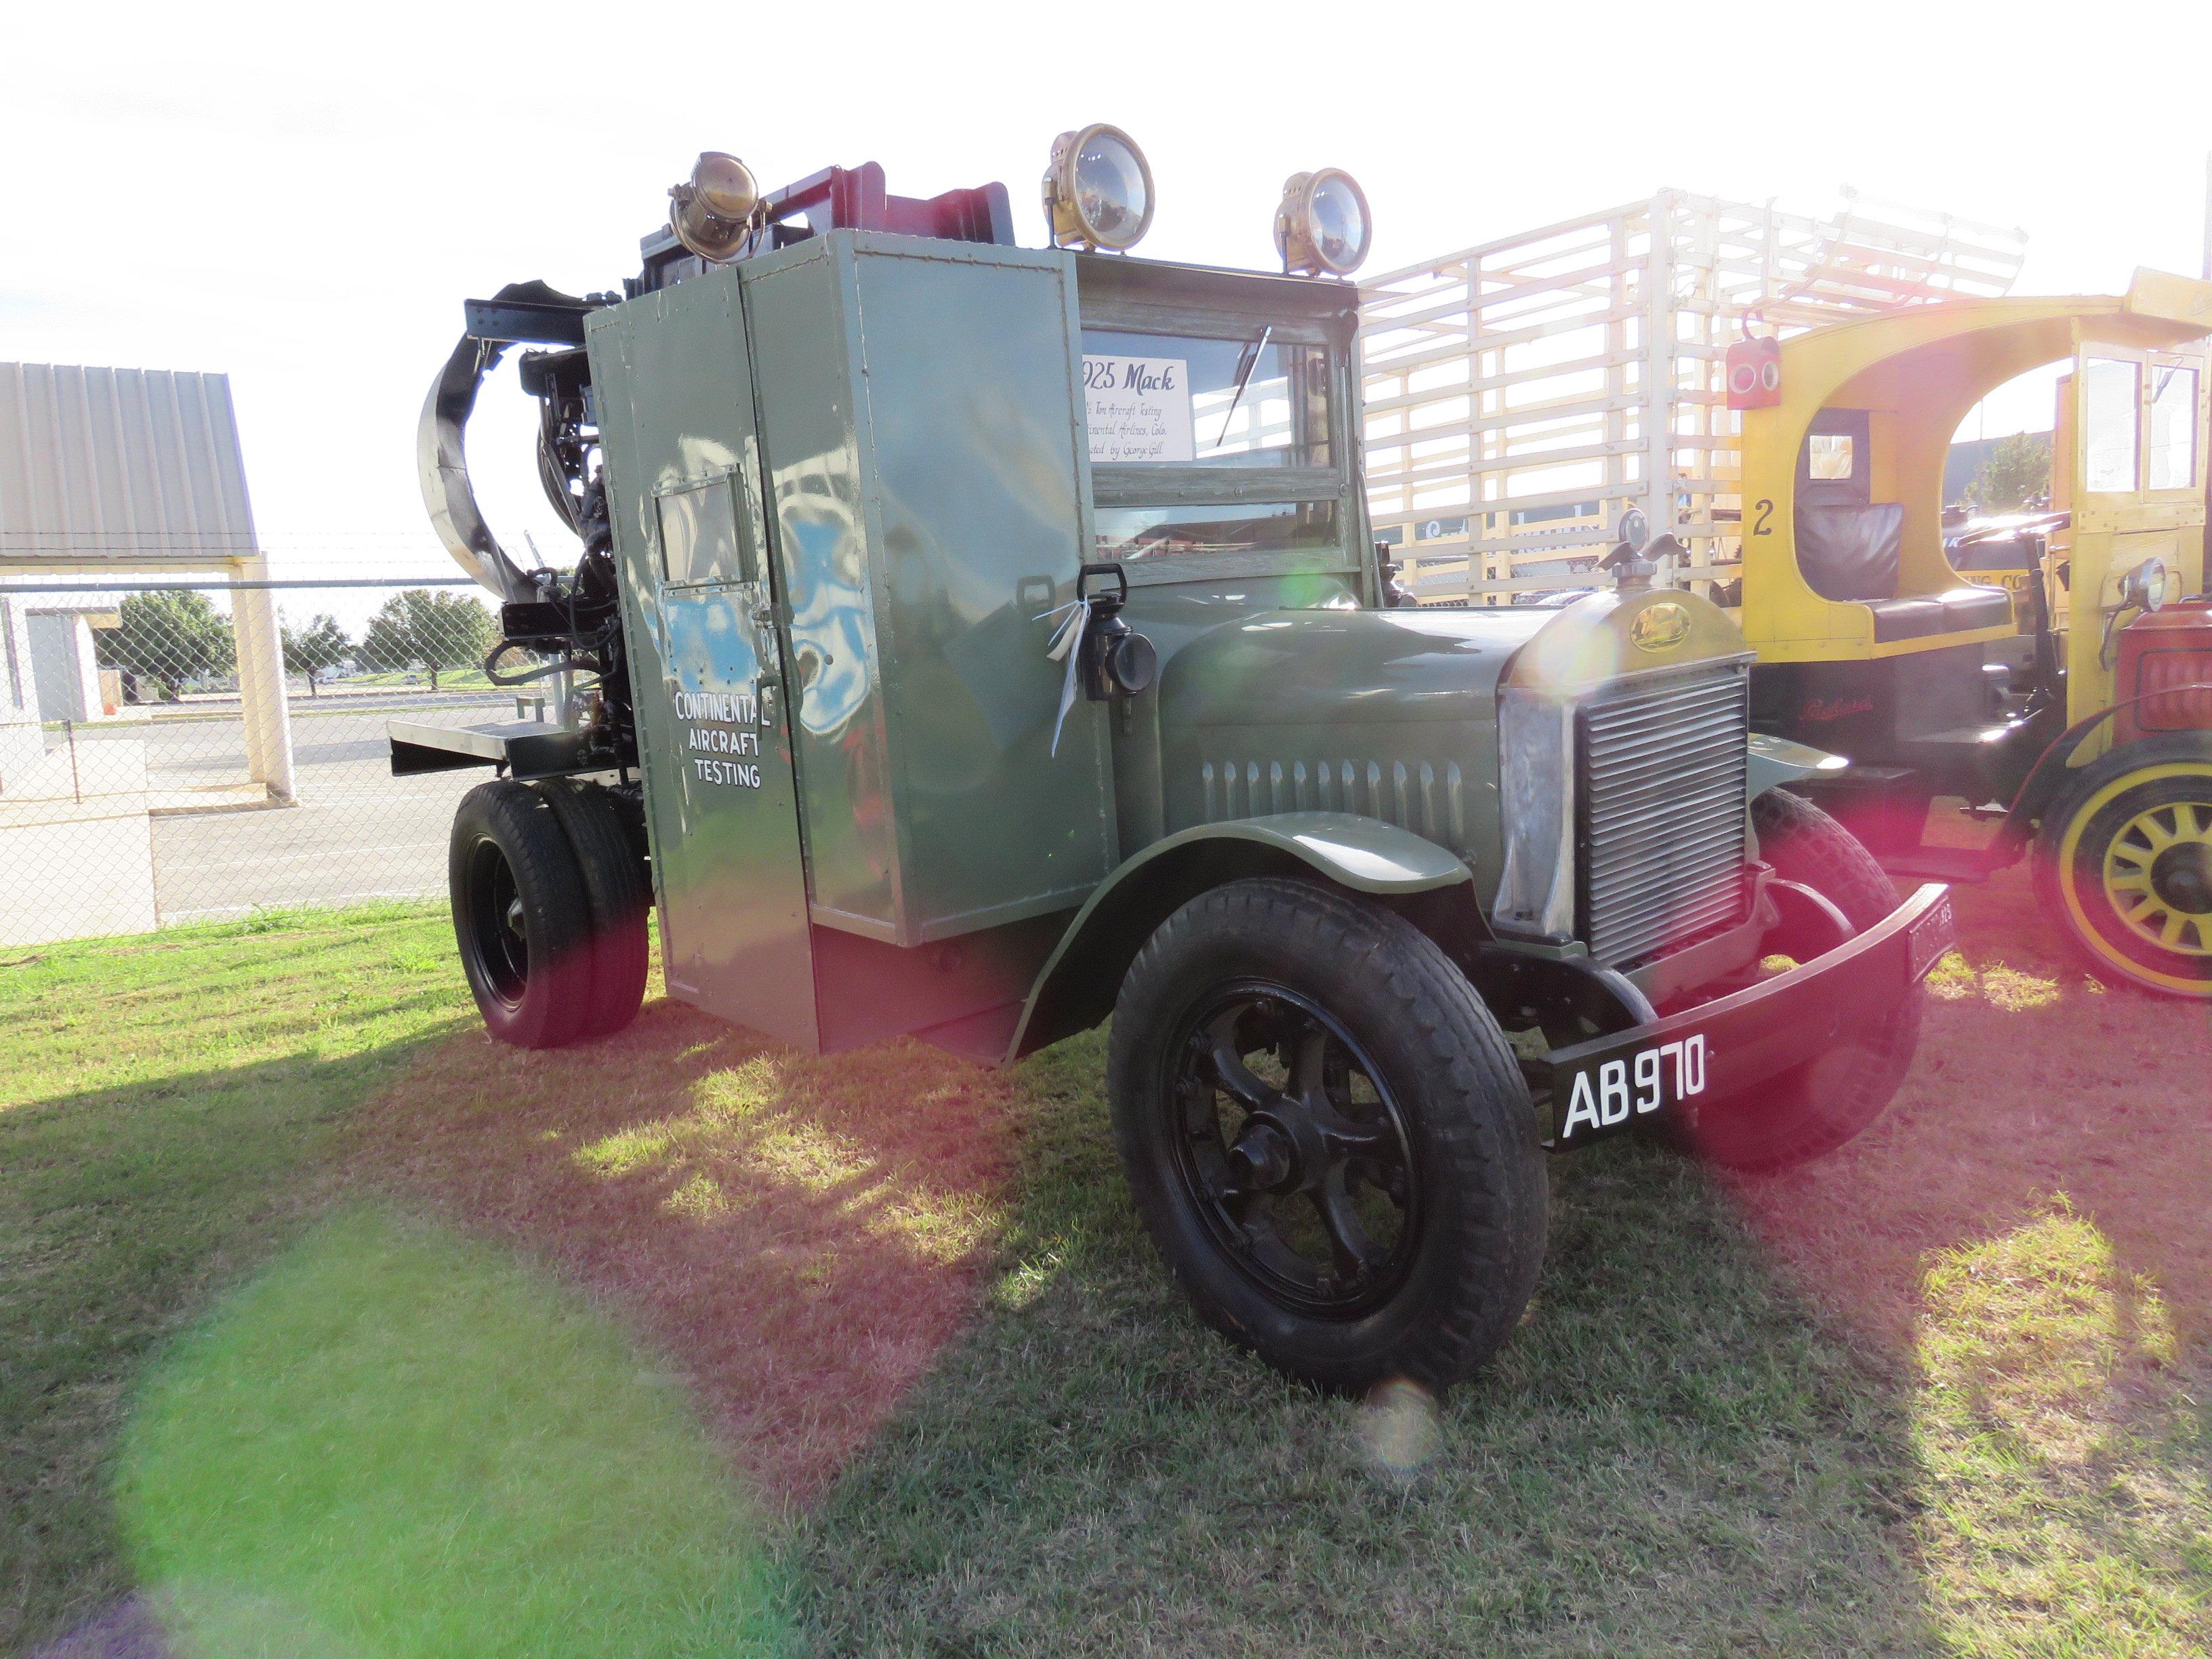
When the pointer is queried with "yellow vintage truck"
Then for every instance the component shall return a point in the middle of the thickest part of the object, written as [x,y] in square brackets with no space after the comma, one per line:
[1872,644]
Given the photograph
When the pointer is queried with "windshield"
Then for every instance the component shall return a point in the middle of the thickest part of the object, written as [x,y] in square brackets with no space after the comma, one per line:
[1156,532]
[1174,399]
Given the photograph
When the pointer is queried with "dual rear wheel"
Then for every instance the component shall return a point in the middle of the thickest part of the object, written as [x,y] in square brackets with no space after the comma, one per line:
[550,900]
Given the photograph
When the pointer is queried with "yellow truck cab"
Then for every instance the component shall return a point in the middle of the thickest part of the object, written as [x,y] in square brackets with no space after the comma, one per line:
[1871,645]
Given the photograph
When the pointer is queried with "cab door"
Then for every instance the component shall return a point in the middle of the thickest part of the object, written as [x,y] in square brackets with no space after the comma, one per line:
[682,452]
[2129,466]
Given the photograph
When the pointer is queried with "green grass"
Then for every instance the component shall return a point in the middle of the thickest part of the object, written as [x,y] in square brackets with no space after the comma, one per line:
[2069,1447]
[328,1327]
[1669,1458]
[394,1441]
[162,1103]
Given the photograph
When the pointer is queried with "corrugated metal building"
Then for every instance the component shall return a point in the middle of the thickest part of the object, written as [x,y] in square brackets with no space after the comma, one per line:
[106,471]
[120,466]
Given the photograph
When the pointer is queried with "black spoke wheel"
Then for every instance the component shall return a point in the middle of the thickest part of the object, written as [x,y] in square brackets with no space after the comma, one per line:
[1296,1156]
[1327,1136]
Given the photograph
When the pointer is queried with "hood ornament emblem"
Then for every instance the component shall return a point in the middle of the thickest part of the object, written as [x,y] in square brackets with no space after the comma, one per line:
[1660,627]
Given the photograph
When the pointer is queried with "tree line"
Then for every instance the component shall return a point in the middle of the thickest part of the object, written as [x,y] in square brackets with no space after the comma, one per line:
[169,641]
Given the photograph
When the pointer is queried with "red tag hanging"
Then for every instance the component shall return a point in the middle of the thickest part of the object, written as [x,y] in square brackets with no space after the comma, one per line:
[1754,373]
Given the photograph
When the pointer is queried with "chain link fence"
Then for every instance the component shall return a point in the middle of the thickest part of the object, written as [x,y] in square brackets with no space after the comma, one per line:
[176,752]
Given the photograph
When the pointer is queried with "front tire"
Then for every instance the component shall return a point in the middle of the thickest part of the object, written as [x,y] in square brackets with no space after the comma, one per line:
[2124,861]
[1327,1136]
[521,916]
[1811,1109]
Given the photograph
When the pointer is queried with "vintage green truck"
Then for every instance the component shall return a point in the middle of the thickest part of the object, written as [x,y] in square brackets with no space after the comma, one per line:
[976,641]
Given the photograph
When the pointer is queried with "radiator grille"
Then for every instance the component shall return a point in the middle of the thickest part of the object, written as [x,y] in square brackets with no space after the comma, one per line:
[1662,778]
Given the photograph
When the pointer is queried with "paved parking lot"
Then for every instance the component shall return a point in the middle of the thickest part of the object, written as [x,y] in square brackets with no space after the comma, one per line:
[357,832]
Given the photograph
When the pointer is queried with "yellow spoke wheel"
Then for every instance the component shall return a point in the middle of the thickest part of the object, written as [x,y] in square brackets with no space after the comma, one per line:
[2125,864]
[2158,876]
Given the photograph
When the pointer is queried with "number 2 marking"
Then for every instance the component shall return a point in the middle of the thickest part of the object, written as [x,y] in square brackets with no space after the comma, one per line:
[1760,526]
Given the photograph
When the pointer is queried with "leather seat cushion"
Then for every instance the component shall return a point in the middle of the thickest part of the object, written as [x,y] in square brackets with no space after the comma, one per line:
[1850,552]
[1955,610]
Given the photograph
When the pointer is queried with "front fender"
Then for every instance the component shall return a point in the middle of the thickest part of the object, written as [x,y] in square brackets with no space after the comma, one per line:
[1775,761]
[1079,983]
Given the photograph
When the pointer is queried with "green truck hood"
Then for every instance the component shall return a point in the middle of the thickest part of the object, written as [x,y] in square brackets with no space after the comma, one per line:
[1335,666]
[1393,715]
[1387,714]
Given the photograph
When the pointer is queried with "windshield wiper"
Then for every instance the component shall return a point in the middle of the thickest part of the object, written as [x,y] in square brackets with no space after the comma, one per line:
[1246,361]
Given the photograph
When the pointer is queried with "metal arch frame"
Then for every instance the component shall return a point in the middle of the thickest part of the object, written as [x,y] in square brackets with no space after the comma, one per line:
[520,312]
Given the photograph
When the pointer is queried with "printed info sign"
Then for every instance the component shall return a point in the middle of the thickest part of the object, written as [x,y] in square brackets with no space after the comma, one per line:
[1139,408]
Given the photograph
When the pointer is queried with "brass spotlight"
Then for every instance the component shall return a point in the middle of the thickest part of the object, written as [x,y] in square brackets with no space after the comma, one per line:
[1322,224]
[711,212]
[1098,189]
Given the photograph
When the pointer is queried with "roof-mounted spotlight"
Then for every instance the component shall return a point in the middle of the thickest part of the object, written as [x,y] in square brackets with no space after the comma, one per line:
[1322,224]
[712,211]
[1098,189]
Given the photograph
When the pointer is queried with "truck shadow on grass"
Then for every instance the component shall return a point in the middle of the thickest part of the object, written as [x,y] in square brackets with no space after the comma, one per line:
[1790,1415]
[1935,1393]
[1908,1400]
[1942,1392]
[798,1237]
[1669,1455]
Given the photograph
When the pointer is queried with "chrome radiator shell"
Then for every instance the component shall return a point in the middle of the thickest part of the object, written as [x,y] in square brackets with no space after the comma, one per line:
[1662,775]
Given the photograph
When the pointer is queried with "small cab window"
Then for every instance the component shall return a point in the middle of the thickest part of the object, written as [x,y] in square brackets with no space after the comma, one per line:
[2172,428]
[1829,455]
[699,538]
[1200,400]
[2111,409]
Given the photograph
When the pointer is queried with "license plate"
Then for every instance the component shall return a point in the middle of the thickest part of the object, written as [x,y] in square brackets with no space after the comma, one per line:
[1605,1094]
[1930,937]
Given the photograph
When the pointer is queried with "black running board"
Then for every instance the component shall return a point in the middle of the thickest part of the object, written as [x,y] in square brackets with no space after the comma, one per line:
[1948,864]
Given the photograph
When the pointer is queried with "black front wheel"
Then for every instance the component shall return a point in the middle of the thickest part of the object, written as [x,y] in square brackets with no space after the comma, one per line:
[1327,1136]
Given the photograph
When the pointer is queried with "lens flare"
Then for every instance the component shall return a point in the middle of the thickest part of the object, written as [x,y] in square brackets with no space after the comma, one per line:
[1399,1431]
